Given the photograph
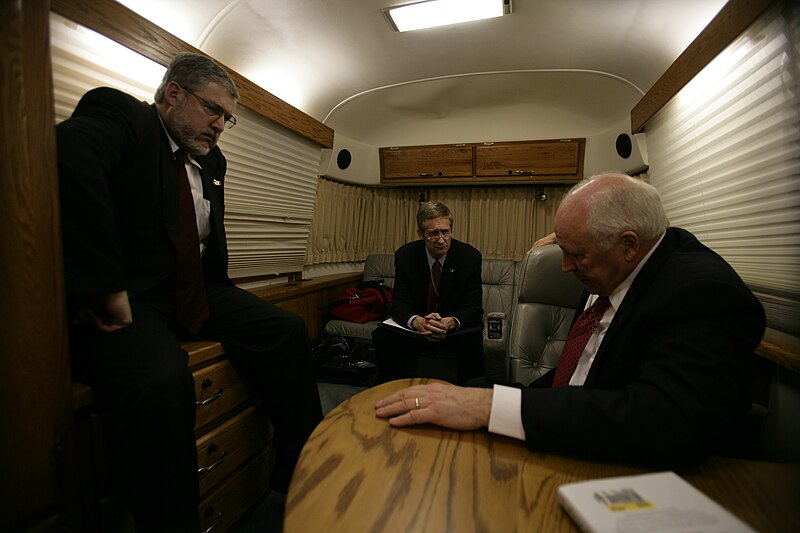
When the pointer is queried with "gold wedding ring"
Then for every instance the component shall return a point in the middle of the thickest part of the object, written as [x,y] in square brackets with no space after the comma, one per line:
[416,403]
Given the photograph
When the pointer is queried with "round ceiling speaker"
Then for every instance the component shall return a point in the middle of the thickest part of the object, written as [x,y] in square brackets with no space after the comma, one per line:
[624,145]
[344,158]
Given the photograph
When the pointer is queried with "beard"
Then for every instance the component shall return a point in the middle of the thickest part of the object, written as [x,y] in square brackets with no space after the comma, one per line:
[187,138]
[187,135]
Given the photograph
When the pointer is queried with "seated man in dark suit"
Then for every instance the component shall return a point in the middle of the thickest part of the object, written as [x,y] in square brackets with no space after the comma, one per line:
[146,265]
[437,293]
[655,369]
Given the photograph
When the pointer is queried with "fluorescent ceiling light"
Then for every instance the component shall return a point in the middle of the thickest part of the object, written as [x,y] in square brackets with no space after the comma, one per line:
[432,13]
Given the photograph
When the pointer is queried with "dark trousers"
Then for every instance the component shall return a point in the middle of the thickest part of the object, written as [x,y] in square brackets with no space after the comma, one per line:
[396,354]
[146,393]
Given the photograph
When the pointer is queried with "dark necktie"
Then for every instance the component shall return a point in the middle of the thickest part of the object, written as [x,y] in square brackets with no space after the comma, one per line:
[576,340]
[433,286]
[190,292]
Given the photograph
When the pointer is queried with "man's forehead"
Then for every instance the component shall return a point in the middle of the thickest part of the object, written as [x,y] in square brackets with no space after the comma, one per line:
[220,95]
[437,222]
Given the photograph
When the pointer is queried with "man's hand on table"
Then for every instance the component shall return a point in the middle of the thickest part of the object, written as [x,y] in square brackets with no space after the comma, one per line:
[453,407]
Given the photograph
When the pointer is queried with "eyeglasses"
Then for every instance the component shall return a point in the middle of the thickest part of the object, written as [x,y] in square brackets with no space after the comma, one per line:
[436,235]
[214,110]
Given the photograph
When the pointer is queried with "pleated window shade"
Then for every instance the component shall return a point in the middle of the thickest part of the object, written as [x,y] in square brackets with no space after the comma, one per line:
[272,175]
[725,156]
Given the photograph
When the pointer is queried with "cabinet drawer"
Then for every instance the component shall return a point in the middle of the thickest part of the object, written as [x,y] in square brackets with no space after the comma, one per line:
[237,495]
[230,444]
[218,390]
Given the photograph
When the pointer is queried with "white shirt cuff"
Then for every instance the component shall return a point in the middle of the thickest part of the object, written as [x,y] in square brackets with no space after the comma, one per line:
[506,416]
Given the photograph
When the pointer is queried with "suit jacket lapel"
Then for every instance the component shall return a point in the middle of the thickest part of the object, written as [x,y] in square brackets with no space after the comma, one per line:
[169,188]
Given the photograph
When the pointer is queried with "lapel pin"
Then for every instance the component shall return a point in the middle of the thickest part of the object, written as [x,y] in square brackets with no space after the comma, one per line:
[217,183]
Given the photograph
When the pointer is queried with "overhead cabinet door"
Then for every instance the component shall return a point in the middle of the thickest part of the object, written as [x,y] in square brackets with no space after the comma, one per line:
[535,160]
[421,162]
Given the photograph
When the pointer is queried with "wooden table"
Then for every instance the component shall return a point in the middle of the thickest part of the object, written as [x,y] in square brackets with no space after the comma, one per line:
[357,473]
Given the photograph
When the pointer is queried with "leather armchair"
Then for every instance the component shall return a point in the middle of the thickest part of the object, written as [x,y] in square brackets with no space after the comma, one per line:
[542,315]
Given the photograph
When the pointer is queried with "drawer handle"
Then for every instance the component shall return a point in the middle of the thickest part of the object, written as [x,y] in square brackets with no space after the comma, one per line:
[426,174]
[525,172]
[216,463]
[210,399]
[213,526]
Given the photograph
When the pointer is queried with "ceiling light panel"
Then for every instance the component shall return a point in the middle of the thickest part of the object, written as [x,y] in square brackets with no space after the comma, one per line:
[435,13]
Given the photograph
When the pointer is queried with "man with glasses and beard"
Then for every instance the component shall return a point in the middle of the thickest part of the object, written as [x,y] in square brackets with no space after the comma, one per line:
[437,300]
[146,267]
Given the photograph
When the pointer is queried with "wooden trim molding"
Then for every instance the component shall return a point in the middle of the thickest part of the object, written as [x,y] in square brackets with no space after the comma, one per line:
[735,17]
[126,27]
[779,355]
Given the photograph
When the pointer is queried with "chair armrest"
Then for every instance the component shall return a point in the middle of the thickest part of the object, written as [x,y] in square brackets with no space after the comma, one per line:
[495,337]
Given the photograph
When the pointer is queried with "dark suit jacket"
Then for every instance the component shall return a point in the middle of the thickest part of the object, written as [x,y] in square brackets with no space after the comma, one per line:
[460,292]
[119,198]
[670,381]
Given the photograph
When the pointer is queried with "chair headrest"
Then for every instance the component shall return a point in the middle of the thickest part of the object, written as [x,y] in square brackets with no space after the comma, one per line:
[542,281]
[380,266]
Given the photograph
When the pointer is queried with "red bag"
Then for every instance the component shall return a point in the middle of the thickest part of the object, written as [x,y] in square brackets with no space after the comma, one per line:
[370,300]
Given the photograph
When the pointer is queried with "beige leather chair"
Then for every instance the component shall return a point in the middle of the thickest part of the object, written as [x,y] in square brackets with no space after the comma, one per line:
[542,315]
[376,266]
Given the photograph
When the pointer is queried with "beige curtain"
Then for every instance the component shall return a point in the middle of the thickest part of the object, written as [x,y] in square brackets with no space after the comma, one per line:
[351,222]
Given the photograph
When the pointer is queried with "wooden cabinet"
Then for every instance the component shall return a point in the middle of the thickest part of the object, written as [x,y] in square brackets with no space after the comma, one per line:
[224,448]
[225,505]
[218,390]
[423,162]
[555,160]
[538,160]
[310,299]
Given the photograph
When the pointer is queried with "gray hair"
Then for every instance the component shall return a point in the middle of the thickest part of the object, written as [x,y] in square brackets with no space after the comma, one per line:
[628,204]
[193,72]
[429,210]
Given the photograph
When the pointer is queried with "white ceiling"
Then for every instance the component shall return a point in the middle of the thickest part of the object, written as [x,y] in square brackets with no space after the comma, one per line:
[553,67]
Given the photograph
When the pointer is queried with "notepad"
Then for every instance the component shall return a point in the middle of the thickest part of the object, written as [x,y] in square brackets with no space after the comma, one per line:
[649,503]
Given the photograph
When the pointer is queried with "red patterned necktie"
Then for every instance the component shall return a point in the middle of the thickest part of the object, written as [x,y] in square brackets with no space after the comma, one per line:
[190,292]
[576,340]
[433,286]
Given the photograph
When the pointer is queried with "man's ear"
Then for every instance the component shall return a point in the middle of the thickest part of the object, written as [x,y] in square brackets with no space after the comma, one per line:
[631,244]
[171,93]
[421,236]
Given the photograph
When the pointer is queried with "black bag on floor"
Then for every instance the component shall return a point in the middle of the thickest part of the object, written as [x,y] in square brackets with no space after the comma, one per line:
[354,367]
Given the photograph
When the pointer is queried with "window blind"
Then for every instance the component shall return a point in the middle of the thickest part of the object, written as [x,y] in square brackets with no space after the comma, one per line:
[272,172]
[725,157]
